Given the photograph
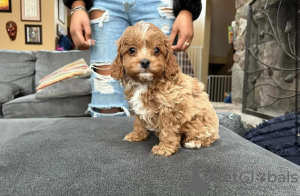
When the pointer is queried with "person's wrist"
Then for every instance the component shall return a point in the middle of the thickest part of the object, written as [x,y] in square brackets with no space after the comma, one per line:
[75,9]
[186,13]
[78,3]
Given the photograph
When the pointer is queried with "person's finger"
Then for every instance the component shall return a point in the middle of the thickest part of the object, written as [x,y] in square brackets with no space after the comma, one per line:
[75,32]
[81,40]
[186,45]
[88,34]
[187,42]
[176,48]
[180,43]
[184,42]
[75,40]
[80,29]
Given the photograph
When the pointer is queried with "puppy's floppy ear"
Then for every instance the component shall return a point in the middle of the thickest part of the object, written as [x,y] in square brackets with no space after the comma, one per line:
[172,67]
[117,65]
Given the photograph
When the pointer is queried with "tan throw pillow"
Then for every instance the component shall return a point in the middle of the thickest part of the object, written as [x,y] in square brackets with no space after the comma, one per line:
[77,68]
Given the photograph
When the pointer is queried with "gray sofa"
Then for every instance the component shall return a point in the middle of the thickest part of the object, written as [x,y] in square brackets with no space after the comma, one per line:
[24,70]
[87,156]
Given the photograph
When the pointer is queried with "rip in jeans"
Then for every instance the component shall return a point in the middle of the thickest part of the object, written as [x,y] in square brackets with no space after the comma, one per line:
[166,9]
[103,16]
[102,82]
[107,93]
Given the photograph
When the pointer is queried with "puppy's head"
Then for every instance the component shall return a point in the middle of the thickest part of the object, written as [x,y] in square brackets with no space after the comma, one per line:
[144,54]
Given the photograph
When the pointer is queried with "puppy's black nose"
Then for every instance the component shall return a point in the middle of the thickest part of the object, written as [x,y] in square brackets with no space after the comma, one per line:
[145,63]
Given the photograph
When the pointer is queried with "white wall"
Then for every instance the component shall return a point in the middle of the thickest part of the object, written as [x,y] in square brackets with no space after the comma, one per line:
[202,36]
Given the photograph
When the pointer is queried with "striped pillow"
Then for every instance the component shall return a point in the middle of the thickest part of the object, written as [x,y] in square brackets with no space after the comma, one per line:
[76,68]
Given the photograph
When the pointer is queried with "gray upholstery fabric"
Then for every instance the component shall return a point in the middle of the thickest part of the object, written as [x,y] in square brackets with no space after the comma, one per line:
[87,156]
[8,91]
[30,107]
[232,121]
[18,67]
[66,88]
[49,61]
[12,128]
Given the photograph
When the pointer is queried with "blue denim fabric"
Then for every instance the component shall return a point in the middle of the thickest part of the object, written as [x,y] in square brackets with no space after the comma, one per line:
[106,30]
[111,98]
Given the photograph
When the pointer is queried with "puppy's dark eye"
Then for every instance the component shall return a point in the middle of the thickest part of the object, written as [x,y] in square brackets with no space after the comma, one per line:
[132,50]
[156,50]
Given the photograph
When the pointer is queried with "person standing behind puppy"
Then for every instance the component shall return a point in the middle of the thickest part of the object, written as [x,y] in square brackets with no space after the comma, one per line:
[99,24]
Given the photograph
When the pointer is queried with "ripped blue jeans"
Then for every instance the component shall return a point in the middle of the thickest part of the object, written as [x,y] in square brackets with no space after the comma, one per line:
[106,30]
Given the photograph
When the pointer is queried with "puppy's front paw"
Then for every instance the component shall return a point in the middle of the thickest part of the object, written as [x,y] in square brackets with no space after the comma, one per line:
[163,151]
[135,137]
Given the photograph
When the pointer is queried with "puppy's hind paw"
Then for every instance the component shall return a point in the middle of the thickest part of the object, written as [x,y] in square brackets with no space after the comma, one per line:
[192,144]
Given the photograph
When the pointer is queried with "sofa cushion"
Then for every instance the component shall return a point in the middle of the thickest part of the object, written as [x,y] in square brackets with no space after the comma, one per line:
[14,127]
[77,68]
[66,88]
[49,61]
[8,91]
[87,156]
[30,107]
[18,67]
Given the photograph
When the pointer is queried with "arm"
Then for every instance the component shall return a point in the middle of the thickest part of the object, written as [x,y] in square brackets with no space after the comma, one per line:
[185,11]
[88,3]
[193,6]
[80,28]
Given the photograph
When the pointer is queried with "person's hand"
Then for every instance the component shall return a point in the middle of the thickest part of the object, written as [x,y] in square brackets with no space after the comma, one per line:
[183,26]
[80,29]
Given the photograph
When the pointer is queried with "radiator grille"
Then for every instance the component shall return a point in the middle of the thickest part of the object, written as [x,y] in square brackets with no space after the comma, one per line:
[217,86]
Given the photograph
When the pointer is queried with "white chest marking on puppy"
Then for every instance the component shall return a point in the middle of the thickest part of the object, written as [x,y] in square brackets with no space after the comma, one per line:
[137,104]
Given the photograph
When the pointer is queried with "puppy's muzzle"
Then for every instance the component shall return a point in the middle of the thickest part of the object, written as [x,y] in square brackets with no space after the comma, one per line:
[145,63]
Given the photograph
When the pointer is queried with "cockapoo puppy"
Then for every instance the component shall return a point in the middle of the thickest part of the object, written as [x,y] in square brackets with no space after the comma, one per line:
[165,100]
